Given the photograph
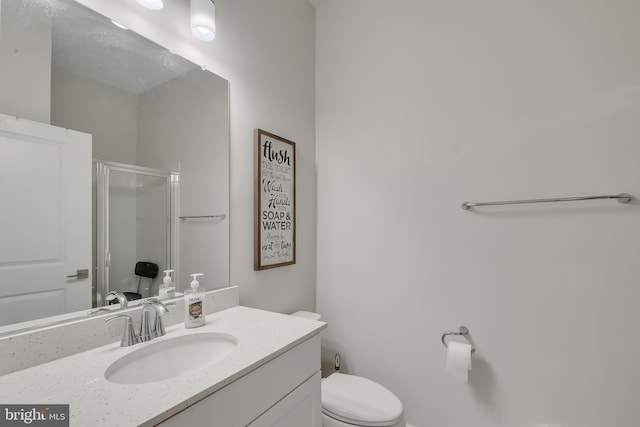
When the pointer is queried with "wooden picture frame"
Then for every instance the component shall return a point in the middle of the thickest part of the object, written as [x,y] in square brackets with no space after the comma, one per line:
[274,227]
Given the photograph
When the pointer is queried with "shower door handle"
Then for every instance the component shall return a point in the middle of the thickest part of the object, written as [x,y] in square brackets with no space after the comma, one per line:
[80,274]
[107,260]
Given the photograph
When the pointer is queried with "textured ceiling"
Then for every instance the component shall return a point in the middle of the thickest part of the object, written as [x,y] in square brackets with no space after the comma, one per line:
[88,44]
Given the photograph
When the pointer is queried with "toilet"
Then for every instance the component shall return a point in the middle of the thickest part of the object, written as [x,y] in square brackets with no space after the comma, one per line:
[353,401]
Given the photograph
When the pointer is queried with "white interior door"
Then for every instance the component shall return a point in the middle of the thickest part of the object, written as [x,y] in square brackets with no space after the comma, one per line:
[45,220]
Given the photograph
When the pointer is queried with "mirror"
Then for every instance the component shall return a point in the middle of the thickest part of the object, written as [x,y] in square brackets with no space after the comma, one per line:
[146,109]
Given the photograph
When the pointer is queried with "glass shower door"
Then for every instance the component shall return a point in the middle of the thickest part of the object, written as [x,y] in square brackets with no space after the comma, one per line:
[134,225]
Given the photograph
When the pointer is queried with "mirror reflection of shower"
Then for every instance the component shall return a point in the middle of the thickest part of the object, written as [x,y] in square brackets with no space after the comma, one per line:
[134,216]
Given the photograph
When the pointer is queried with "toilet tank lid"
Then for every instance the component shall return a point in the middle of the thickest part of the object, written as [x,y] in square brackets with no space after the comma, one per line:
[360,400]
[307,315]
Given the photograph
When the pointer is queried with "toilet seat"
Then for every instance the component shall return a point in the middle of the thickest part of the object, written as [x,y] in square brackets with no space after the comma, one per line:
[359,401]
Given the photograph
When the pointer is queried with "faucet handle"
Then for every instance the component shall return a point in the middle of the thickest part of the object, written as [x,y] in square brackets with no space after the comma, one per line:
[129,336]
[150,329]
[147,332]
[159,326]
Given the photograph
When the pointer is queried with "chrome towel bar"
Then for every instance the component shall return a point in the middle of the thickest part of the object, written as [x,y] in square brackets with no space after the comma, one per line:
[220,217]
[622,198]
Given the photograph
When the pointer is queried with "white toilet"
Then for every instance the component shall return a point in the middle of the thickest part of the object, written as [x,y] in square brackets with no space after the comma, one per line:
[352,401]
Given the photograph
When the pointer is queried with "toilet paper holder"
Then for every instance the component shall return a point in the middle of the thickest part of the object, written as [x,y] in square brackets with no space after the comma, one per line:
[462,330]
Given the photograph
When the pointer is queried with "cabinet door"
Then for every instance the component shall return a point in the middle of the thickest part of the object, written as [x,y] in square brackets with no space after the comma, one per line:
[301,407]
[284,384]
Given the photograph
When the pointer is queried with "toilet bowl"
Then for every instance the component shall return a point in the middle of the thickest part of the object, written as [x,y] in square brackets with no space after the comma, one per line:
[349,400]
[353,401]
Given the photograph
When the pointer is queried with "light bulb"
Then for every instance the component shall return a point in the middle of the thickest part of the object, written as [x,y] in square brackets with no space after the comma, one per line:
[203,19]
[152,4]
[203,33]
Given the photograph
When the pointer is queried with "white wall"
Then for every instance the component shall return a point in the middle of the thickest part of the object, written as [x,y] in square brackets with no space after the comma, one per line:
[266,51]
[25,55]
[107,113]
[110,116]
[267,48]
[423,105]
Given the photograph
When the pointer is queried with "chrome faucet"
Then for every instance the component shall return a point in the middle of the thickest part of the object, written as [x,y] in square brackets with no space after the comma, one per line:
[151,324]
[129,336]
[119,296]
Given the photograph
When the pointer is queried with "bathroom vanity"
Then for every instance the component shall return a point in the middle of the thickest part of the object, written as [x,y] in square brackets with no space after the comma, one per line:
[271,378]
[282,392]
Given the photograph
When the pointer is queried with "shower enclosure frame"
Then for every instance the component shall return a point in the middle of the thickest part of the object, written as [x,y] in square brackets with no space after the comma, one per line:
[103,170]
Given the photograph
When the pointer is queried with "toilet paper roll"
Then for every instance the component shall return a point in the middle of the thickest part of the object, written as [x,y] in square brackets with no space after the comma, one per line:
[459,360]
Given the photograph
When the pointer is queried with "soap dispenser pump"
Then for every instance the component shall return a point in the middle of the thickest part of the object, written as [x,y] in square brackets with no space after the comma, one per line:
[194,304]
[167,289]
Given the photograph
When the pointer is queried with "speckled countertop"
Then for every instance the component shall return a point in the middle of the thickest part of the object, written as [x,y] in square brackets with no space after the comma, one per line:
[79,379]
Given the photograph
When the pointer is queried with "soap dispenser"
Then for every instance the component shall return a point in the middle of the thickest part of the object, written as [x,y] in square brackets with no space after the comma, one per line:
[194,304]
[167,289]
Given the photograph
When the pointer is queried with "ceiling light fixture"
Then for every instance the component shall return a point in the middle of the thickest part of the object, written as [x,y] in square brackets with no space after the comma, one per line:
[203,19]
[152,4]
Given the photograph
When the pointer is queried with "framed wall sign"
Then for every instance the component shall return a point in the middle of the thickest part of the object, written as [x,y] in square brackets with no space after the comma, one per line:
[274,201]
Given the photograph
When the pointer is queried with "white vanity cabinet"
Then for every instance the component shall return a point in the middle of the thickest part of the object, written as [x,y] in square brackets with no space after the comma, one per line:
[283,392]
[271,379]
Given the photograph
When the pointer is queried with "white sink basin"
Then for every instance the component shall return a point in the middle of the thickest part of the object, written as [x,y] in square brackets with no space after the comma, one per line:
[169,358]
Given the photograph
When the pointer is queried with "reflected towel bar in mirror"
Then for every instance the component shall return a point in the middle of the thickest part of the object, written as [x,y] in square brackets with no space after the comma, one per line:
[622,198]
[219,217]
